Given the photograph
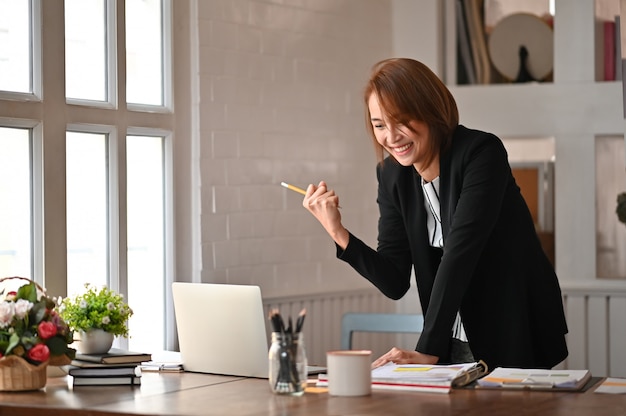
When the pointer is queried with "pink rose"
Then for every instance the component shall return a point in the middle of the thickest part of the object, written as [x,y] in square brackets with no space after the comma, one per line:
[46,329]
[39,352]
[11,295]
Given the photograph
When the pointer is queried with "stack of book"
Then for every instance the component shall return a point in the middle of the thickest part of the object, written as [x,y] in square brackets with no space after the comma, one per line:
[116,367]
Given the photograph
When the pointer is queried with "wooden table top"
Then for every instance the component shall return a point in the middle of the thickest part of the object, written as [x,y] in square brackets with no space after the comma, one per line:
[192,394]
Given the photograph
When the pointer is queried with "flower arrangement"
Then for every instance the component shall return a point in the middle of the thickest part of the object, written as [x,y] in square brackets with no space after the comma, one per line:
[97,309]
[621,207]
[31,327]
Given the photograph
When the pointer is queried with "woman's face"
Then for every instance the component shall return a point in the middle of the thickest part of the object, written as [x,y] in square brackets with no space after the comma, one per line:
[407,146]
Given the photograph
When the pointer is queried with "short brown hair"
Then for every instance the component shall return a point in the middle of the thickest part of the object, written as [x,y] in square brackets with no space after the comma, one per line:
[408,90]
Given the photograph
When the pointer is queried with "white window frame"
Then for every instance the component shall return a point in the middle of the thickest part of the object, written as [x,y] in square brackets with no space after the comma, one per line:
[49,119]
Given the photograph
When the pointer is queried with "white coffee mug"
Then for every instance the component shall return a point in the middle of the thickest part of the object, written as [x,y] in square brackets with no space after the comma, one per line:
[349,372]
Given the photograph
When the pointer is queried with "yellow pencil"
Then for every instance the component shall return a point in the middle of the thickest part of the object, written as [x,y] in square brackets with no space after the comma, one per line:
[293,188]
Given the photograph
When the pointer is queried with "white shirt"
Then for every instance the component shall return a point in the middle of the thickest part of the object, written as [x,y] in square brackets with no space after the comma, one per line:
[435,237]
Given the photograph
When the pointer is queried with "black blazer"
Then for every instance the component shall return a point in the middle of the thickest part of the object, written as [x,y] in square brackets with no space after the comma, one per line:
[493,269]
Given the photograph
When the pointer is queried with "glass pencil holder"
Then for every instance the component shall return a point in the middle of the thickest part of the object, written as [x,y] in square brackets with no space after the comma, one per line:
[287,364]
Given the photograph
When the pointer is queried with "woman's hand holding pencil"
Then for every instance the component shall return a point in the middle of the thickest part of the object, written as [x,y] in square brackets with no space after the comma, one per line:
[323,203]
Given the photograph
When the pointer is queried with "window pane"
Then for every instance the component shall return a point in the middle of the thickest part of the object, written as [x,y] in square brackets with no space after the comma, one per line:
[146,233]
[15,69]
[85,49]
[86,210]
[15,209]
[144,52]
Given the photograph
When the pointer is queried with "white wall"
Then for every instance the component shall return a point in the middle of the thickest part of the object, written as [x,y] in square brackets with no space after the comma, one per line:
[278,98]
[279,95]
[418,33]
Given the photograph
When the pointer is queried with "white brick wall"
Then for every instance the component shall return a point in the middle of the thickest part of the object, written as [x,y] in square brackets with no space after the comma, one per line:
[279,85]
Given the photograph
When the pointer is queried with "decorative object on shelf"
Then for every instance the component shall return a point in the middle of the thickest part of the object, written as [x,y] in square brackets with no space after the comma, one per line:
[513,32]
[33,335]
[621,207]
[93,312]
[523,75]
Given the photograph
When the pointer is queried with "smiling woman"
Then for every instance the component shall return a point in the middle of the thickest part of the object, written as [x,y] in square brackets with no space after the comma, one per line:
[451,210]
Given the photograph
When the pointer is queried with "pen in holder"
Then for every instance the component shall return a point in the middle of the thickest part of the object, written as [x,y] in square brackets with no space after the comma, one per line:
[287,357]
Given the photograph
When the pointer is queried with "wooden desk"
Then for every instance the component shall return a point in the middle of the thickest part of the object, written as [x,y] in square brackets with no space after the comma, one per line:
[199,394]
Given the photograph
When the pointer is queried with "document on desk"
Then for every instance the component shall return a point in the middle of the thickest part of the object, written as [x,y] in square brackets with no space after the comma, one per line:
[430,378]
[612,385]
[164,361]
[517,378]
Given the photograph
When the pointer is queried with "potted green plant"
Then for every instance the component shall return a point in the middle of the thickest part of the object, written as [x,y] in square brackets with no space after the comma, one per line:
[621,207]
[96,316]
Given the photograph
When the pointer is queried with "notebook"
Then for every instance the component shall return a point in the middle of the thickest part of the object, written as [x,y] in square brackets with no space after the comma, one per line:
[221,329]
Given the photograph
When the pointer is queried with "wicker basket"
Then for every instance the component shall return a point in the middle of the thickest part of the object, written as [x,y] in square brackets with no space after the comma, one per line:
[16,374]
[14,282]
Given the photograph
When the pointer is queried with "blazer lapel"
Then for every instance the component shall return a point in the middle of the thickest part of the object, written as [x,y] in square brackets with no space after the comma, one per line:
[445,165]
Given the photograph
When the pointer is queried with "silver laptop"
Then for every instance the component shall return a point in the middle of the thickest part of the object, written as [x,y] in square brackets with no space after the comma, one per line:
[221,329]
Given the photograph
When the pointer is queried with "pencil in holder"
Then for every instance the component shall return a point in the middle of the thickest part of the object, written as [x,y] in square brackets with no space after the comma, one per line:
[287,364]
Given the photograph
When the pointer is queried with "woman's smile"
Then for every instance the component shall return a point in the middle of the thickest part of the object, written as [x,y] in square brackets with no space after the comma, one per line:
[401,150]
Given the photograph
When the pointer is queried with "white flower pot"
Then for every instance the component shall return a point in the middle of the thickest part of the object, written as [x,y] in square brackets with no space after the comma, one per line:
[94,341]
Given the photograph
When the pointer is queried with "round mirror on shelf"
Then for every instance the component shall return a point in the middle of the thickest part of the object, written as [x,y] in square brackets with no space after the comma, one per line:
[522,41]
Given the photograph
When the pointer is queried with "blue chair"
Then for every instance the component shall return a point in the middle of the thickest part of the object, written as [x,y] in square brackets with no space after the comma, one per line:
[378,322]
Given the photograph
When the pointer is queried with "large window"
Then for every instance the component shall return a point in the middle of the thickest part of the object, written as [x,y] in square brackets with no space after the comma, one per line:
[87,178]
